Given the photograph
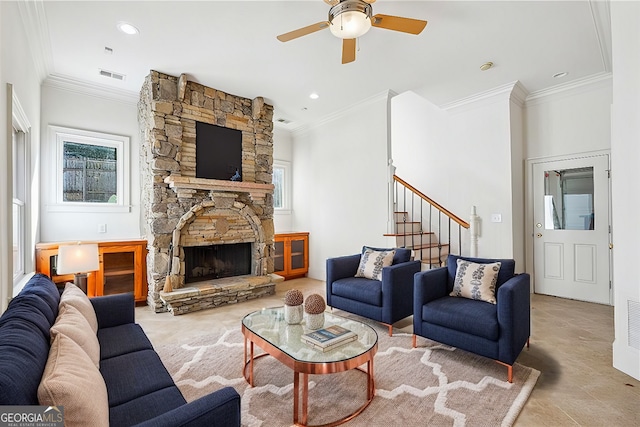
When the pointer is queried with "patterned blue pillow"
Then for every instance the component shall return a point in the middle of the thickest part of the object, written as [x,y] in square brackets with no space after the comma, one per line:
[476,281]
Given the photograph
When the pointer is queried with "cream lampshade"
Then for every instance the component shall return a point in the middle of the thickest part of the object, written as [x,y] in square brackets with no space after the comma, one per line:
[78,259]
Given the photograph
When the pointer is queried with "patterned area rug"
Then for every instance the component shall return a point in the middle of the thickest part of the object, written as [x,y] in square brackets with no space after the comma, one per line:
[430,385]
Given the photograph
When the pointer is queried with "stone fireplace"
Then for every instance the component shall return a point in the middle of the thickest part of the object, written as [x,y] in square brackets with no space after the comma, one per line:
[195,226]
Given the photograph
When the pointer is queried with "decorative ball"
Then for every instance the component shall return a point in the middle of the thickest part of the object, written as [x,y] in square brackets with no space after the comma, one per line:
[293,297]
[314,304]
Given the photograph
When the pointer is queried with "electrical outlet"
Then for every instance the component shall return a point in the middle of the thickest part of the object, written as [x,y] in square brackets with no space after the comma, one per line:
[496,217]
[102,228]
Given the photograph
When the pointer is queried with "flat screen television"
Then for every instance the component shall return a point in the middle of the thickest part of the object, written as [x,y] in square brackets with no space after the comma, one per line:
[218,152]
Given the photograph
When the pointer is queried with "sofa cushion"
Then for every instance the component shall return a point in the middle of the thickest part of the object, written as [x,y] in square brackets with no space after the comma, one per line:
[464,315]
[359,289]
[71,380]
[372,262]
[146,407]
[476,281]
[122,339]
[73,295]
[43,287]
[72,323]
[24,348]
[132,375]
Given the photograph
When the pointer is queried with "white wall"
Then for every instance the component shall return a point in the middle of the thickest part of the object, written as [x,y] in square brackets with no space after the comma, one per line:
[16,68]
[282,150]
[625,157]
[576,120]
[460,157]
[340,182]
[69,108]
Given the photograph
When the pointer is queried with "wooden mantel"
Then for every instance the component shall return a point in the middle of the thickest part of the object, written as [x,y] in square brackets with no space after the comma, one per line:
[185,182]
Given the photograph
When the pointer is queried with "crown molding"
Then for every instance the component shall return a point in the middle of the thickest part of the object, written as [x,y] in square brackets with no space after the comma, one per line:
[83,87]
[569,88]
[384,95]
[34,21]
[490,96]
[601,15]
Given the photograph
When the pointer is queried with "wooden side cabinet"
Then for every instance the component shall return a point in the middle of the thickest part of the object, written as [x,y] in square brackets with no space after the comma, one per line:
[123,268]
[291,259]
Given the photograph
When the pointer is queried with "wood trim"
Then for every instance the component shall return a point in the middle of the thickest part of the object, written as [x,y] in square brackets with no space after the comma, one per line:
[433,203]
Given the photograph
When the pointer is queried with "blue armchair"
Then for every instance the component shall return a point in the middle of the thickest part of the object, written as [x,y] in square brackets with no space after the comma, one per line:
[497,331]
[386,301]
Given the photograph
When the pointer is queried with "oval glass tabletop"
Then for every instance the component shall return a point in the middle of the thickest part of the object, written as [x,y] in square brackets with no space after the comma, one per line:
[269,324]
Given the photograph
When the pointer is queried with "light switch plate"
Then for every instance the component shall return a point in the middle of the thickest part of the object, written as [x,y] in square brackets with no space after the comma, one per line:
[496,217]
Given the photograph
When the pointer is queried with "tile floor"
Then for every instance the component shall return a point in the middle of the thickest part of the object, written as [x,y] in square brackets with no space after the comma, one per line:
[571,345]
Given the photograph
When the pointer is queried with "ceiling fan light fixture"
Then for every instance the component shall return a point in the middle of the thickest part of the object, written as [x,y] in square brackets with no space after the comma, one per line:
[350,19]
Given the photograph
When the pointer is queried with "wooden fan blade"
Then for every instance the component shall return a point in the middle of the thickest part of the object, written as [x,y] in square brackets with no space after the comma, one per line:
[370,1]
[397,23]
[332,2]
[303,31]
[348,50]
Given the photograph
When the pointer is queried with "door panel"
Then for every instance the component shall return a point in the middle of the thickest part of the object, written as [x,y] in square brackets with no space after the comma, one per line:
[571,228]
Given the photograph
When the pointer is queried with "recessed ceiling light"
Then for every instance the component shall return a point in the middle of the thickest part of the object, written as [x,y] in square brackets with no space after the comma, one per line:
[314,96]
[560,75]
[127,28]
[486,66]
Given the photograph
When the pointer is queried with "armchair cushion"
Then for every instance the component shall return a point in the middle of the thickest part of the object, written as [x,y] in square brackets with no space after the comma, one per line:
[476,281]
[359,289]
[372,262]
[464,315]
[507,268]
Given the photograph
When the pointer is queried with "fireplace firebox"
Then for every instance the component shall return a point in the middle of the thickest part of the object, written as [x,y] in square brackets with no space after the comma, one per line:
[216,261]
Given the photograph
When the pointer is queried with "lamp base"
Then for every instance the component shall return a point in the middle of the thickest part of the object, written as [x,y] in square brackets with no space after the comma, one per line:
[80,280]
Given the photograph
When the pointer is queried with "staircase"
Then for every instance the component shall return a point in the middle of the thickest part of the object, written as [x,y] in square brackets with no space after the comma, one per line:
[421,224]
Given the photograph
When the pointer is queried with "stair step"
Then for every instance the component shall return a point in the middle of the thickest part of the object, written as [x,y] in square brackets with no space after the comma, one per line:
[418,233]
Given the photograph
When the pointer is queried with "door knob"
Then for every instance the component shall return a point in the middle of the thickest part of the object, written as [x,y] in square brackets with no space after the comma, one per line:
[539,235]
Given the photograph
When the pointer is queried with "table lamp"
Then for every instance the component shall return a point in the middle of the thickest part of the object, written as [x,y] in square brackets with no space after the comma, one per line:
[78,259]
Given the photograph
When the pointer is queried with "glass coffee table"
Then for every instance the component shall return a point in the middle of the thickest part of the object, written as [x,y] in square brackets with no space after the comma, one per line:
[267,329]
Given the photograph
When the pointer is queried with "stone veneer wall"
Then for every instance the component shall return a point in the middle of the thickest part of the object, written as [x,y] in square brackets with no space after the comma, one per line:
[168,110]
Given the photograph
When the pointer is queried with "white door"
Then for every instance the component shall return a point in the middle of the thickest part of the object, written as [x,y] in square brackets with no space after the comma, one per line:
[571,228]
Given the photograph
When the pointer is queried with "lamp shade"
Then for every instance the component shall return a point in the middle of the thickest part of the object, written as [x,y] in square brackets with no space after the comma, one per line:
[350,25]
[79,258]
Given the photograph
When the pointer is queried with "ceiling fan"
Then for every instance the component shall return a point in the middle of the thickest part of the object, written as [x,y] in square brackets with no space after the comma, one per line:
[350,19]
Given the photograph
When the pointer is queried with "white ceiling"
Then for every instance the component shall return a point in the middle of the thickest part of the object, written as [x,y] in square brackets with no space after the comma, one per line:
[232,46]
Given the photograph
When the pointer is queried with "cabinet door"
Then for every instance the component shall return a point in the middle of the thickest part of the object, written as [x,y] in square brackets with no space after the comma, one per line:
[278,257]
[120,271]
[298,260]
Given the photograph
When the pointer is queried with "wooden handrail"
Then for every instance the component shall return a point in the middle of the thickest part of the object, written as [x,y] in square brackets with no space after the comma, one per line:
[414,190]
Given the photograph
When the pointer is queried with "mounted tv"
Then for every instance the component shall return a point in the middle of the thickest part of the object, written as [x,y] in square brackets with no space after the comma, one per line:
[218,152]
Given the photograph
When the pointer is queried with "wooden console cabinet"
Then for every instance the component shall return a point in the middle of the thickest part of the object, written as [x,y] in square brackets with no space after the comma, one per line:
[291,259]
[123,268]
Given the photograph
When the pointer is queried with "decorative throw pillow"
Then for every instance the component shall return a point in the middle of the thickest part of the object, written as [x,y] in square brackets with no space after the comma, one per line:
[70,379]
[476,281]
[71,322]
[372,262]
[73,295]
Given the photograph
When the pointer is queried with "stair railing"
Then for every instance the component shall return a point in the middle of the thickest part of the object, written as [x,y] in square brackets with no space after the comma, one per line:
[419,206]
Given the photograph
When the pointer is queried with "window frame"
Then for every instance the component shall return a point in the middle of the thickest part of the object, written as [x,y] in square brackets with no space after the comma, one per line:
[60,135]
[286,186]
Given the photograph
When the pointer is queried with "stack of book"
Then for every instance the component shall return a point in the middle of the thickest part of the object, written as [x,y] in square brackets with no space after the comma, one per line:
[329,338]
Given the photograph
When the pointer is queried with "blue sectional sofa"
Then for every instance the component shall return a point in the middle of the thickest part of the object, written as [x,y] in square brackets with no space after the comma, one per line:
[140,390]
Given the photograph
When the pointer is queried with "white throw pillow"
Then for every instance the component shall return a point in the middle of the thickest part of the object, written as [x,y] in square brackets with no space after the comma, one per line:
[476,281]
[372,262]
[72,323]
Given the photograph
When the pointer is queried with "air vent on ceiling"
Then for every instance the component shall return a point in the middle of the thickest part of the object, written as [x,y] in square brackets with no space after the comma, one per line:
[634,324]
[112,75]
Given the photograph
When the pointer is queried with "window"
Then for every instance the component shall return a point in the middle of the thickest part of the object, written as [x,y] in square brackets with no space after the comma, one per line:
[19,198]
[20,193]
[281,181]
[91,171]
